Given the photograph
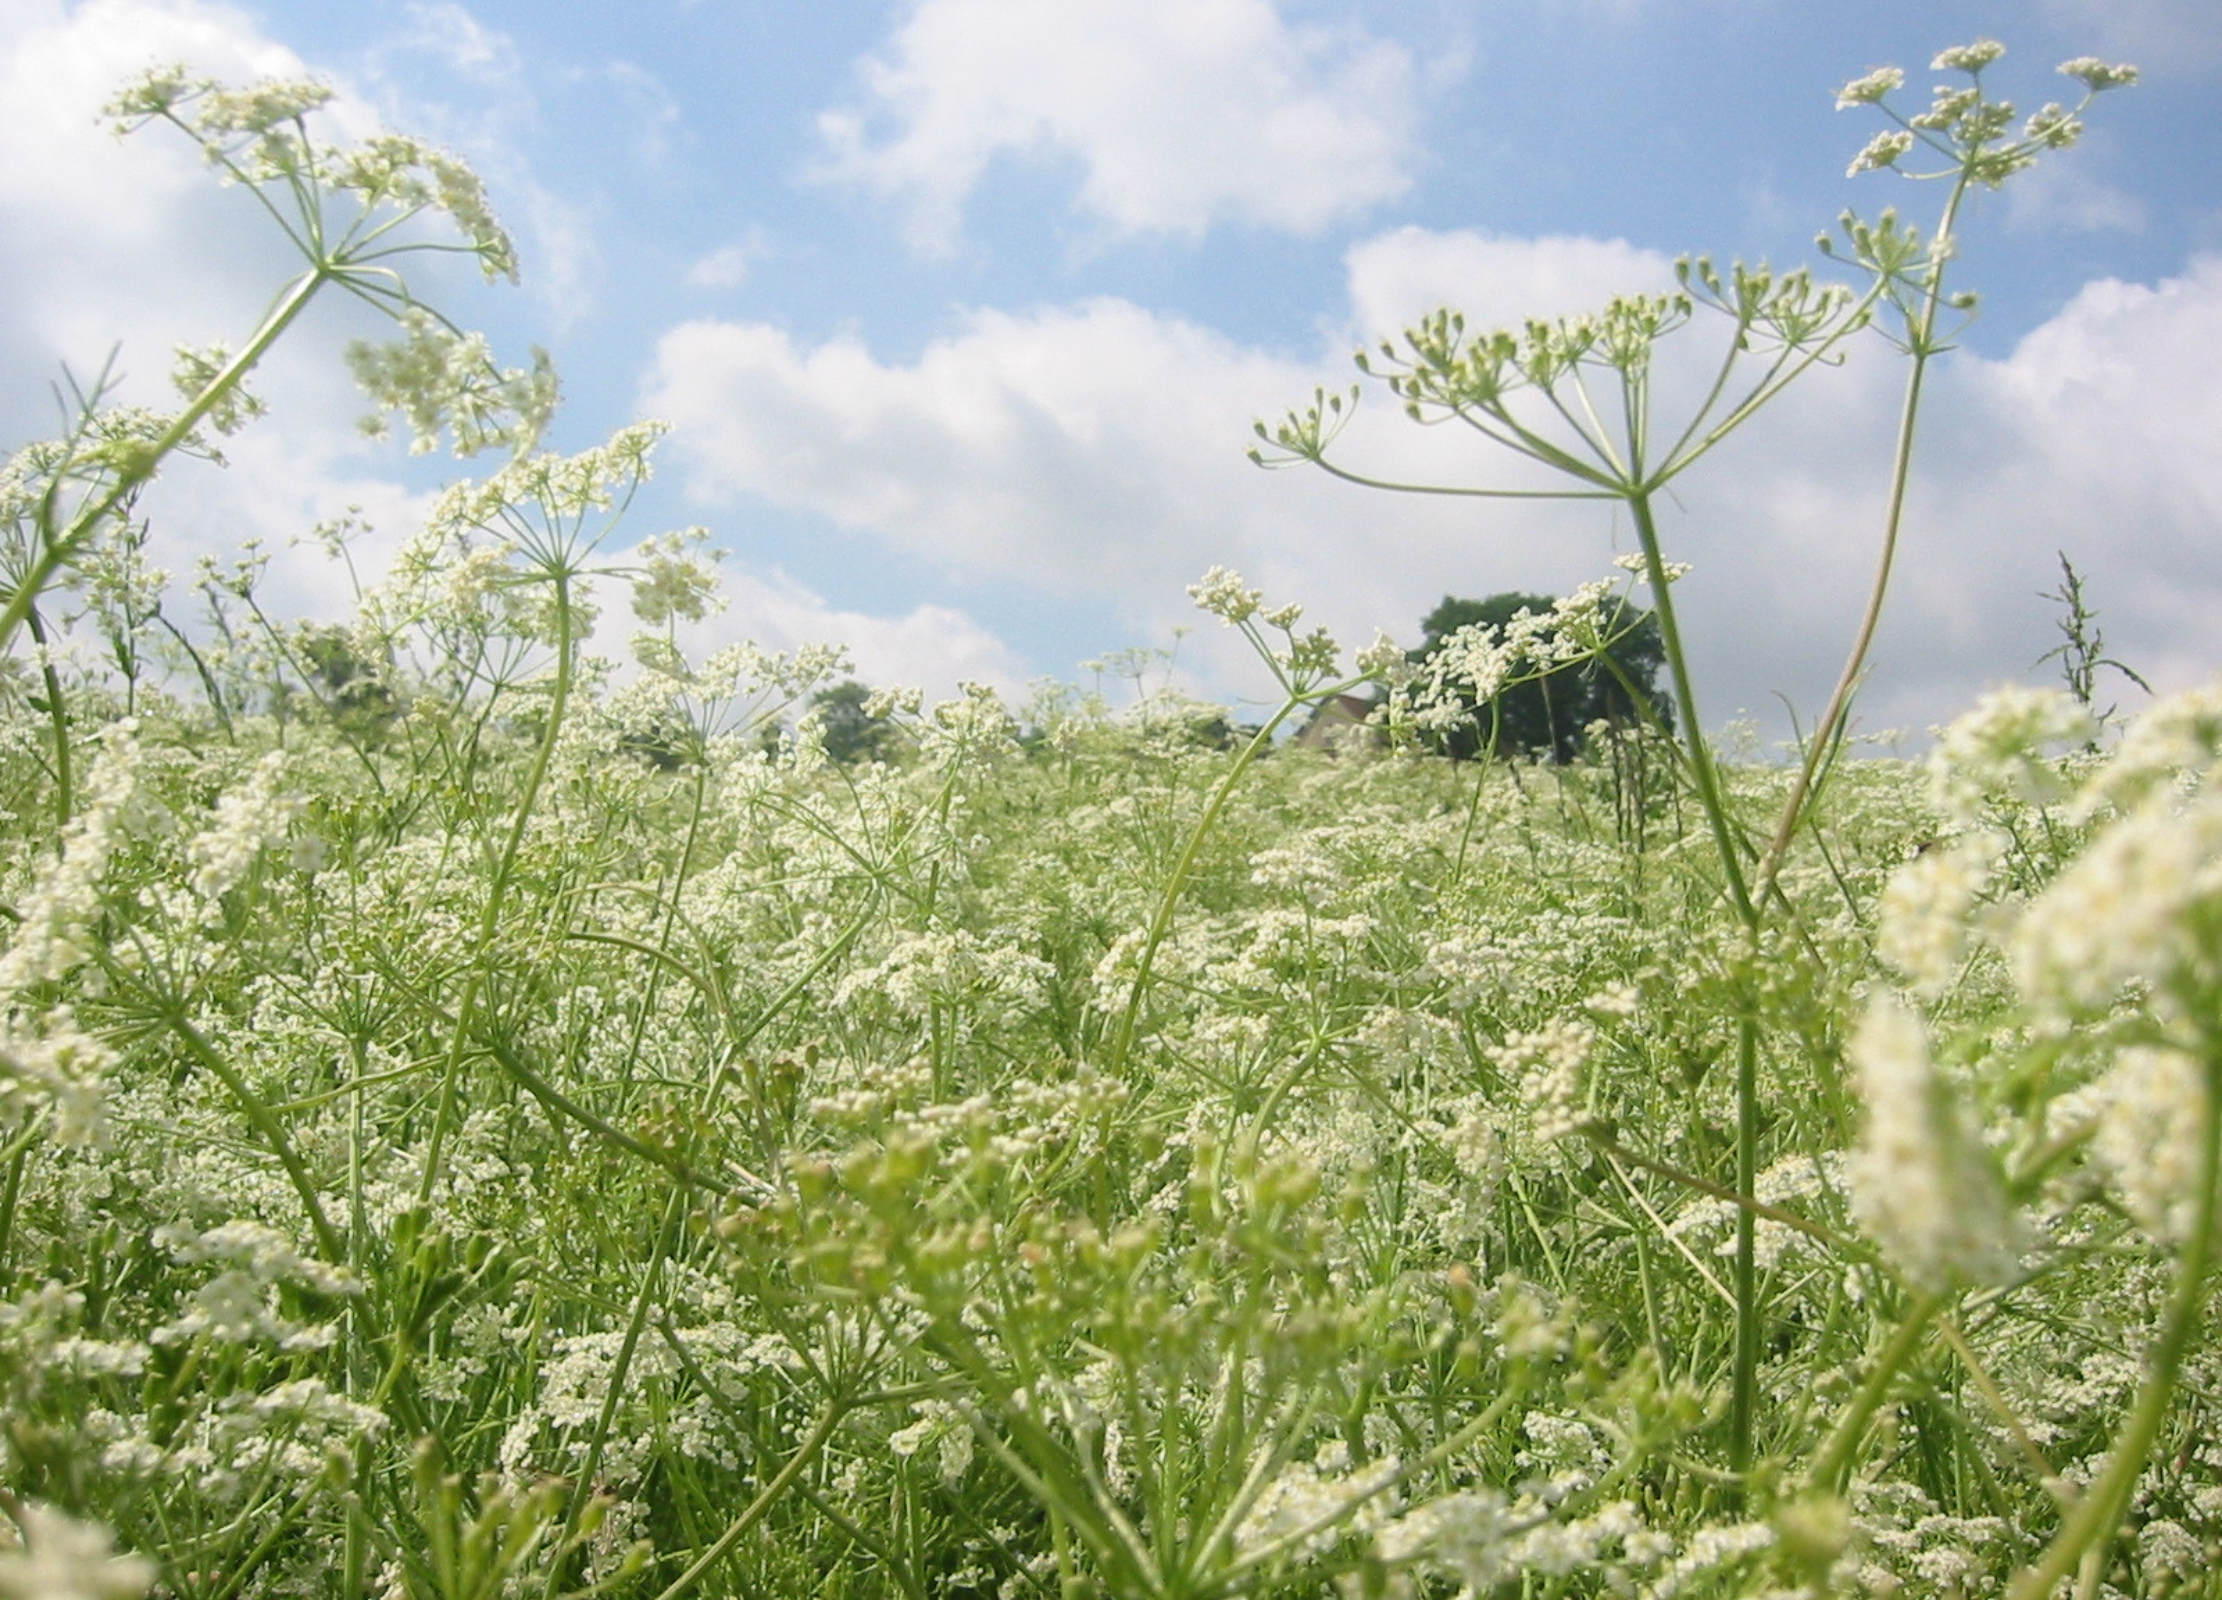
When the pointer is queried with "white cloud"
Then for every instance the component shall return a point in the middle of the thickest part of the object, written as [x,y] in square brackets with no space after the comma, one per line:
[106,242]
[2167,38]
[1180,113]
[2067,196]
[728,266]
[1075,446]
[448,76]
[1398,277]
[464,44]
[1097,449]
[931,647]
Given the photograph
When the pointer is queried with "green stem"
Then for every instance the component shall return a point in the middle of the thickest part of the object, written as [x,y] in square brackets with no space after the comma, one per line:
[54,551]
[17,1156]
[497,894]
[1123,1041]
[766,1498]
[58,715]
[1744,1390]
[328,1241]
[1706,774]
[1922,348]
[582,1488]
[1833,1466]
[1743,1409]
[2091,1526]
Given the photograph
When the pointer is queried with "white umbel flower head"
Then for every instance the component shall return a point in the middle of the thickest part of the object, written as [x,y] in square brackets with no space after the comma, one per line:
[1922,923]
[1922,1185]
[2142,903]
[64,1559]
[248,820]
[1999,749]
[2154,1113]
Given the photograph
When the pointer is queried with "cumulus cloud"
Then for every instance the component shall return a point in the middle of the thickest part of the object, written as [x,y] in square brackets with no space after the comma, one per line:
[2168,38]
[448,76]
[1399,276]
[1098,449]
[931,647]
[129,248]
[728,266]
[1179,113]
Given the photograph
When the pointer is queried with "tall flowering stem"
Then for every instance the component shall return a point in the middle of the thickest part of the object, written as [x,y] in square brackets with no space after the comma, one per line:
[1527,391]
[2091,1525]
[347,211]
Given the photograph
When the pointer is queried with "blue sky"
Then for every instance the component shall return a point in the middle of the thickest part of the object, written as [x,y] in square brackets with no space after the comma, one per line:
[961,308]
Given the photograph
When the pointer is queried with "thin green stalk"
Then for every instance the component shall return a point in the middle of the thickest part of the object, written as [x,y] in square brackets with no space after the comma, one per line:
[583,1481]
[1832,1468]
[1706,774]
[1743,1406]
[2091,1526]
[497,894]
[17,1156]
[1123,1041]
[1744,1395]
[55,551]
[328,1242]
[1922,349]
[58,715]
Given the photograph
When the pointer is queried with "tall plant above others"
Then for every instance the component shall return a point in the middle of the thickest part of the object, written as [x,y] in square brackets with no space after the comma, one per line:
[1576,395]
[350,211]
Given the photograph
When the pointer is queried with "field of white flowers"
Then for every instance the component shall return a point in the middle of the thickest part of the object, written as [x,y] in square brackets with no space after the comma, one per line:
[478,1121]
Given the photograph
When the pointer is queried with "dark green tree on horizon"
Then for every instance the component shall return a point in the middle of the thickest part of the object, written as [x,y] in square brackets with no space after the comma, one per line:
[851,733]
[1549,714]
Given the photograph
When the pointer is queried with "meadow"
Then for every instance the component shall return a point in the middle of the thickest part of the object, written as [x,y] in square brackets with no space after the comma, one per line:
[479,1118]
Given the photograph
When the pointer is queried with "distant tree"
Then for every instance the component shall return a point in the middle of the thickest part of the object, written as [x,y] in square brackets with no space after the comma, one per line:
[351,687]
[1547,714]
[852,733]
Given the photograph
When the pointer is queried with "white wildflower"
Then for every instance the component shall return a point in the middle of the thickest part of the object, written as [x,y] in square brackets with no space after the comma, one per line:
[53,933]
[1922,1185]
[1548,1066]
[2152,1118]
[248,820]
[1870,89]
[901,700]
[2137,905]
[1708,1551]
[677,578]
[1879,152]
[1220,592]
[194,372]
[1310,1506]
[1998,749]
[1463,1532]
[2096,75]
[2177,742]
[64,1559]
[52,1062]
[1387,662]
[1635,562]
[440,380]
[1968,57]
[1924,918]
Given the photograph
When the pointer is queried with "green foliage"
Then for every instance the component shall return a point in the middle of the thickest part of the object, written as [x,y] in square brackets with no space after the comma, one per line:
[1548,714]
[850,729]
